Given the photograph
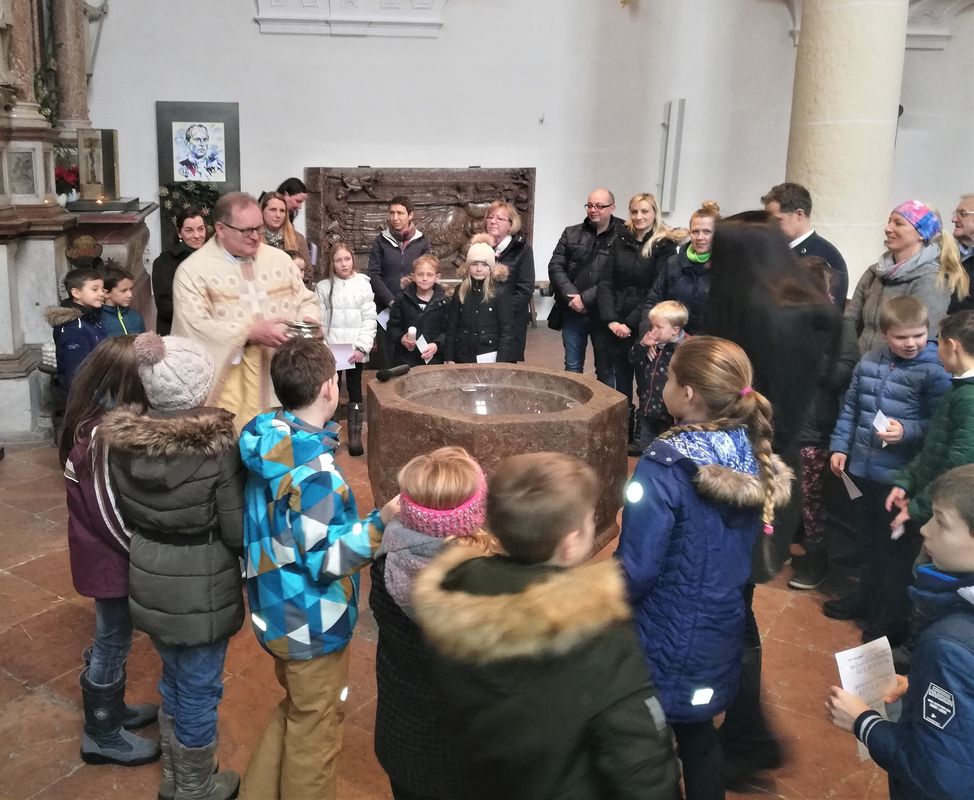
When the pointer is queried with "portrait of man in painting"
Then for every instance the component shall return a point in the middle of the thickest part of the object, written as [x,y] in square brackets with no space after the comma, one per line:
[199,152]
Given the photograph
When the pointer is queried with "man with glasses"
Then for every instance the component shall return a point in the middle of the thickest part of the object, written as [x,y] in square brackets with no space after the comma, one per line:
[963,219]
[234,296]
[581,254]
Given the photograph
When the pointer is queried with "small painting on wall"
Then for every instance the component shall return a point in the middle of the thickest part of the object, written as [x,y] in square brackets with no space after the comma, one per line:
[198,142]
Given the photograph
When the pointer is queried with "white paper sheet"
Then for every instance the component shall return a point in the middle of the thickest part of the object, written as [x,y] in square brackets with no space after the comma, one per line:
[850,487]
[421,345]
[383,318]
[881,424]
[867,672]
[487,358]
[342,353]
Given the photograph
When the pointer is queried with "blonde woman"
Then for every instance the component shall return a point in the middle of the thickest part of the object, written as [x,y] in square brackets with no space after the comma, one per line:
[637,254]
[502,226]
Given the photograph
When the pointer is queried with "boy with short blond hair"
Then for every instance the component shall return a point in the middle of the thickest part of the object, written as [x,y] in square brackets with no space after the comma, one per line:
[303,544]
[928,752]
[903,380]
[545,685]
[420,312]
[651,357]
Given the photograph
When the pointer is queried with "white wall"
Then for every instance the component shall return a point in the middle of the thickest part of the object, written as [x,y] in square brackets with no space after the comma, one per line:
[597,72]
[935,138]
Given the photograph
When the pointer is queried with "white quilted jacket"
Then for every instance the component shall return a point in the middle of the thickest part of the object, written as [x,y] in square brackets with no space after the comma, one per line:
[350,316]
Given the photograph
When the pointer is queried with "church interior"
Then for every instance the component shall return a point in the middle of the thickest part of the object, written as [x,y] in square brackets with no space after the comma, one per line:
[115,115]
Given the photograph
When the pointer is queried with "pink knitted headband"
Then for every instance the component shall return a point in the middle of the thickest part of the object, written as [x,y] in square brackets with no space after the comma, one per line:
[463,520]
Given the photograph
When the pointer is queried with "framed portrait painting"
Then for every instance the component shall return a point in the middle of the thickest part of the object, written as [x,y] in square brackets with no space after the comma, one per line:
[199,142]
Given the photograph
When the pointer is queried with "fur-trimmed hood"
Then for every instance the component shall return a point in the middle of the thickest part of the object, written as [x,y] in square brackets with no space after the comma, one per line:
[57,316]
[202,431]
[727,469]
[552,615]
[725,485]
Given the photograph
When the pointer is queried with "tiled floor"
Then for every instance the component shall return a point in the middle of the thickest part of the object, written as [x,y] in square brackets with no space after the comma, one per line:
[44,627]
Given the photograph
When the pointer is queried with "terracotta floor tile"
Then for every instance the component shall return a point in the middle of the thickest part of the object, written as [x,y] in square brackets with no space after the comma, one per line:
[361,675]
[33,496]
[17,470]
[802,623]
[41,738]
[47,645]
[359,775]
[58,515]
[104,782]
[21,600]
[51,571]
[10,689]
[24,536]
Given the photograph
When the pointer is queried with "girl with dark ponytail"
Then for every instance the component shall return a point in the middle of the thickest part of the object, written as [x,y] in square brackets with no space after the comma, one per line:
[701,496]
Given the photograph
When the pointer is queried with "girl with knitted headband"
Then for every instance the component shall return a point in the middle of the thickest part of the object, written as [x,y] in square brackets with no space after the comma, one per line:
[700,497]
[443,498]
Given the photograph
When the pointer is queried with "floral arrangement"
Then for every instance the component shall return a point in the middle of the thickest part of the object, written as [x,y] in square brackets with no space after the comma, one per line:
[174,197]
[66,179]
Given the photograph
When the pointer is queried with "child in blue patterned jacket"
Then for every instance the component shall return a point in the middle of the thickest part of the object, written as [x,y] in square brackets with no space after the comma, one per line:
[304,544]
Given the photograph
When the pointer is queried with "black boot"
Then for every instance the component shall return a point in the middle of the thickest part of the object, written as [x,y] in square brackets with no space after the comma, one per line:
[104,740]
[134,717]
[355,429]
[749,744]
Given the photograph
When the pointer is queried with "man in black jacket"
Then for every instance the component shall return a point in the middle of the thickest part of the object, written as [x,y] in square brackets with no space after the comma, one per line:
[791,205]
[581,254]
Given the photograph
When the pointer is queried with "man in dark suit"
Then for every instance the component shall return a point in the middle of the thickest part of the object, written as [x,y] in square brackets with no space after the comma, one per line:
[791,205]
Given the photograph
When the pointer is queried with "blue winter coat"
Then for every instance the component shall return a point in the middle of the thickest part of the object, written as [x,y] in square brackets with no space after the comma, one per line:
[121,321]
[691,517]
[77,331]
[907,390]
[929,753]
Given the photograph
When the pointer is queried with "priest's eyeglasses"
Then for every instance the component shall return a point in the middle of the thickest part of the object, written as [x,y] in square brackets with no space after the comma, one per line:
[259,230]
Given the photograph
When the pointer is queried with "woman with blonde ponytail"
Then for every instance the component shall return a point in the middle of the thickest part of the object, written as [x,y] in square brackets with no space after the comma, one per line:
[701,496]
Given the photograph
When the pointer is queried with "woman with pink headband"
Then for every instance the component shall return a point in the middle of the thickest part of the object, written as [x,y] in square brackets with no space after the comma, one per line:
[443,503]
[921,259]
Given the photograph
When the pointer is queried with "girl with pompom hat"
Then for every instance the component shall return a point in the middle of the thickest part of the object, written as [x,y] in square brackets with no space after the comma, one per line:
[178,484]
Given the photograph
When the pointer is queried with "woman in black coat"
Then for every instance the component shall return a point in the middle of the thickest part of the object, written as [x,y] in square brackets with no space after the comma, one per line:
[637,254]
[764,301]
[503,227]
[191,233]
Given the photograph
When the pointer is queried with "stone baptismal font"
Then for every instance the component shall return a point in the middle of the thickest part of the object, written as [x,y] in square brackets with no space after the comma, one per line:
[495,411]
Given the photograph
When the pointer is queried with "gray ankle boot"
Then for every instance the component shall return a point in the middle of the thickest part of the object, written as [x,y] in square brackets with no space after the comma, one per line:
[167,787]
[195,779]
[104,740]
[133,717]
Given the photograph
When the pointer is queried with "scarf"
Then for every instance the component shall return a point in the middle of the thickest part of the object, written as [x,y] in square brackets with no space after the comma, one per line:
[697,258]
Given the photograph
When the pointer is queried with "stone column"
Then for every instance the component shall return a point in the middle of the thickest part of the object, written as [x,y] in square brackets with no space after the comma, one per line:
[70,28]
[845,104]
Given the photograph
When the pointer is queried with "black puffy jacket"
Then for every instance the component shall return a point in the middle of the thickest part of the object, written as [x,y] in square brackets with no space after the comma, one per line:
[178,483]
[579,259]
[163,271]
[686,281]
[429,322]
[545,686]
[477,326]
[624,284]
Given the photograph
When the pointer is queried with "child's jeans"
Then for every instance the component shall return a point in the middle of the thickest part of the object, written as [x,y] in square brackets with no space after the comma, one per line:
[650,428]
[191,687]
[113,638]
[297,756]
[815,465]
[887,570]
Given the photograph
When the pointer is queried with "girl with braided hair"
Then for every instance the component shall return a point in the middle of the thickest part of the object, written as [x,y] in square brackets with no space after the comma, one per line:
[701,496]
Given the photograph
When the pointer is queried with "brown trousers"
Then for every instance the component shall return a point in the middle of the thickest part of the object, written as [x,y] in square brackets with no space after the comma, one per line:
[297,757]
